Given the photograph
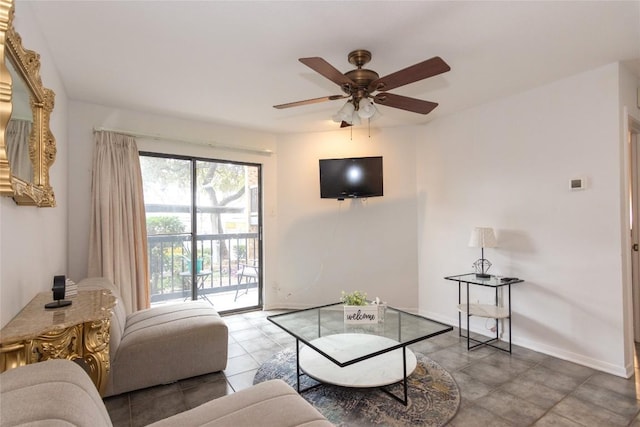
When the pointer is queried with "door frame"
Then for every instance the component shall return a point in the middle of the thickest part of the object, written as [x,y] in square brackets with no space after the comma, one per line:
[194,233]
[634,202]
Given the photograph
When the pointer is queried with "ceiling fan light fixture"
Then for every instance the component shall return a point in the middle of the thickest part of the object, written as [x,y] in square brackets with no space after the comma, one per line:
[345,113]
[376,116]
[366,109]
[355,119]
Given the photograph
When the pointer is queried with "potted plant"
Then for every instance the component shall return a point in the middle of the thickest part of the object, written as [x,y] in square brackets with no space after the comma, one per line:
[357,308]
[354,298]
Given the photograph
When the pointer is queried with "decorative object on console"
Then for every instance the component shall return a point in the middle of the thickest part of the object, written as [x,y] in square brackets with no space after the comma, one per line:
[482,237]
[71,289]
[59,284]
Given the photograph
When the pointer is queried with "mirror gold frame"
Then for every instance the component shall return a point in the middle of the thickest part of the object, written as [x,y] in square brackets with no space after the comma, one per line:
[42,144]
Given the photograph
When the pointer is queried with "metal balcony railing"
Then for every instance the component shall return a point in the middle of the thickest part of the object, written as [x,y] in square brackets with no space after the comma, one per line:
[219,259]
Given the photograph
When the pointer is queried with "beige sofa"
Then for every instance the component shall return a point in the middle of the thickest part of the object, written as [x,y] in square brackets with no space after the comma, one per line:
[162,344]
[60,393]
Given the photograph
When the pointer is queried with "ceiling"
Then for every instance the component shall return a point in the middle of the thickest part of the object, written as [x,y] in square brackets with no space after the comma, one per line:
[229,62]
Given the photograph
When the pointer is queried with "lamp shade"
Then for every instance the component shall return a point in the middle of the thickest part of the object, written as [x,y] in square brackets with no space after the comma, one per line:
[345,113]
[482,237]
[366,109]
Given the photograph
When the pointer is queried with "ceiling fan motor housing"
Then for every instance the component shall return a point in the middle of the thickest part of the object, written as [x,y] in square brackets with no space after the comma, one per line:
[360,76]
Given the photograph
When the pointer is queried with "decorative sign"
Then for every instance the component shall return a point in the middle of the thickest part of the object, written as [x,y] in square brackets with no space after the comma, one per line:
[359,314]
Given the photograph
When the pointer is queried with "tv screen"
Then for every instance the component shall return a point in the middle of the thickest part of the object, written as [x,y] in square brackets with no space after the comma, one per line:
[351,178]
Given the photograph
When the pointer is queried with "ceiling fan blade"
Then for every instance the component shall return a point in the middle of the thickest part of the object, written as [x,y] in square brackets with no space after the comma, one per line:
[310,101]
[429,68]
[345,124]
[405,103]
[327,70]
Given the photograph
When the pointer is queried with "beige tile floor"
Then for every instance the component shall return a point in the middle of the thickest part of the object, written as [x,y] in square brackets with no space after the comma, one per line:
[525,388]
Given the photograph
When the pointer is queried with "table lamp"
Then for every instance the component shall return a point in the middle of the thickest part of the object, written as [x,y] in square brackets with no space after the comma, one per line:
[482,237]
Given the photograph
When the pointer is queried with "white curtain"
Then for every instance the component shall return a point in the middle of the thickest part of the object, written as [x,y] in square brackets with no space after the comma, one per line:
[18,132]
[118,237]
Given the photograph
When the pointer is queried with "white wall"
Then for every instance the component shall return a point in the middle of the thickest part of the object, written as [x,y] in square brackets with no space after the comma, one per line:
[507,165]
[33,242]
[326,246]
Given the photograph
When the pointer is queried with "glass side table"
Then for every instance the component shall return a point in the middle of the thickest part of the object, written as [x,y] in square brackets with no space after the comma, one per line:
[491,311]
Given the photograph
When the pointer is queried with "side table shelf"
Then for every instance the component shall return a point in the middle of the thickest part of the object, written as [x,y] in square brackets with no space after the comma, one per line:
[489,311]
[484,310]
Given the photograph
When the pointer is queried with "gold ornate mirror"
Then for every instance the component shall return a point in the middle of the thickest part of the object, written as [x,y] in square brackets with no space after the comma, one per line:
[27,146]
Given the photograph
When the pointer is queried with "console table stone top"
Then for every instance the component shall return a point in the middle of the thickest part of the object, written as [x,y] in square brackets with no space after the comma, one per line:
[34,320]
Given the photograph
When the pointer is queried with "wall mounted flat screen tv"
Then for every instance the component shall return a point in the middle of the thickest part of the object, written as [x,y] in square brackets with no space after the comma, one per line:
[353,177]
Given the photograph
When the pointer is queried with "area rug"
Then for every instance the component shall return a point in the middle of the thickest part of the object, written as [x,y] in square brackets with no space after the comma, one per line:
[433,395]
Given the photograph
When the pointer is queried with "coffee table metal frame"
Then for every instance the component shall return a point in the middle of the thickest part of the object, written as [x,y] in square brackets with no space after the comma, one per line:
[431,329]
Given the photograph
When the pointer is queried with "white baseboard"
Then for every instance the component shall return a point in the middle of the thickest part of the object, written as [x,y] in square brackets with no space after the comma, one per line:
[618,370]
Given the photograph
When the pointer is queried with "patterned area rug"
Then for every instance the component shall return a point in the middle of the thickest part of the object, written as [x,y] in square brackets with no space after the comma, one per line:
[433,394]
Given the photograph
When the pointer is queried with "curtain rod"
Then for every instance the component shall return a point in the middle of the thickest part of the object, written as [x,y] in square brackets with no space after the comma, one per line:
[263,151]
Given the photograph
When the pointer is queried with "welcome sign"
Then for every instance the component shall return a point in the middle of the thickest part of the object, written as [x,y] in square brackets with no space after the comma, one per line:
[360,314]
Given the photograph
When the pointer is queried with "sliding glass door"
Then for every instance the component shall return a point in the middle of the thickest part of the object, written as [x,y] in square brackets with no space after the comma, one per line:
[203,224]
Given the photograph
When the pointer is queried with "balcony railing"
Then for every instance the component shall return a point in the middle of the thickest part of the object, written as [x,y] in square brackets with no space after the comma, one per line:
[219,259]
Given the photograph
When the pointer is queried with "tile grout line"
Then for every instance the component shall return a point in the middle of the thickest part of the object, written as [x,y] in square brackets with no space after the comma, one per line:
[556,403]
[518,397]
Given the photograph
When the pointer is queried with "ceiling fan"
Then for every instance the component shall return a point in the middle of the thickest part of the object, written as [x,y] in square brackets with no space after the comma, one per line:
[360,84]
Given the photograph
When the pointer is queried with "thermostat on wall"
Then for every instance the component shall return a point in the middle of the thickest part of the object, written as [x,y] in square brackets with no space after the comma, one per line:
[578,183]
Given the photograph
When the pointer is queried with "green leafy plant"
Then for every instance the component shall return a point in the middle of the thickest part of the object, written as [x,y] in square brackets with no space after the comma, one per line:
[354,298]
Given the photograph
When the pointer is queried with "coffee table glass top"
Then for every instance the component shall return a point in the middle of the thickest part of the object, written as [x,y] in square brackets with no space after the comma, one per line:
[400,327]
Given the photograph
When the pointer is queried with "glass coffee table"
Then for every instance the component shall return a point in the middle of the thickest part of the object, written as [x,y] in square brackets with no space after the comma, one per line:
[356,355]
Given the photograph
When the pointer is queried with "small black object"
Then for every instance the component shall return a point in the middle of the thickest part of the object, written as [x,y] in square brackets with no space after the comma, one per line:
[508,279]
[59,285]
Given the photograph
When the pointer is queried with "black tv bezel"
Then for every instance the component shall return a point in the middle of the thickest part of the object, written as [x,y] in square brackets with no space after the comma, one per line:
[344,195]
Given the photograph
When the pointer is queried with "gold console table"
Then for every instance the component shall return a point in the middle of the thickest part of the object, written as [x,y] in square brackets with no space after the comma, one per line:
[79,332]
